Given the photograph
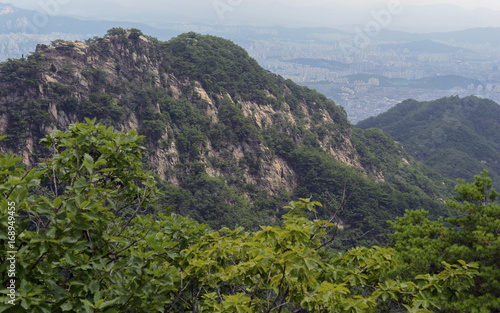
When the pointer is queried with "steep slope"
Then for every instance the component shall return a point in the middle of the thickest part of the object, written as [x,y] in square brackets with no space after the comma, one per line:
[456,137]
[230,141]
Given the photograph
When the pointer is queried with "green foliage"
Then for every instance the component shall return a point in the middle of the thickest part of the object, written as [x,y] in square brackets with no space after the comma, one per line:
[24,120]
[378,152]
[283,145]
[24,71]
[418,240]
[317,102]
[233,124]
[101,105]
[283,269]
[56,42]
[218,64]
[424,245]
[97,77]
[84,146]
[331,181]
[79,242]
[58,90]
[212,201]
[67,72]
[134,34]
[116,31]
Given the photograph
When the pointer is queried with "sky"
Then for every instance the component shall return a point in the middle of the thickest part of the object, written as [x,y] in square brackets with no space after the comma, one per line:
[416,16]
[468,4]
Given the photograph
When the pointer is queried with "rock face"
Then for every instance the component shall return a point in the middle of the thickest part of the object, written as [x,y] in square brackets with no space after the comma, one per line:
[117,79]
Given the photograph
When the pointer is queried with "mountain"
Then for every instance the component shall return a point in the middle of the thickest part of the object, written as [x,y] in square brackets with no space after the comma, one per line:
[475,35]
[442,17]
[425,46]
[15,20]
[332,65]
[21,30]
[441,82]
[457,137]
[230,142]
[482,35]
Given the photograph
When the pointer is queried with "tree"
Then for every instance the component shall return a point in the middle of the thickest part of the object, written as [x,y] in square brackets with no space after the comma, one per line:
[474,237]
[80,240]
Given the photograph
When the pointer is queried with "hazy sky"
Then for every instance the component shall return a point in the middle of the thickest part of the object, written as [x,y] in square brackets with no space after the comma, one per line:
[468,4]
[342,14]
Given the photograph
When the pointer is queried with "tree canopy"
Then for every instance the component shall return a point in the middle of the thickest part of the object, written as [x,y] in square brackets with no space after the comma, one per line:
[473,236]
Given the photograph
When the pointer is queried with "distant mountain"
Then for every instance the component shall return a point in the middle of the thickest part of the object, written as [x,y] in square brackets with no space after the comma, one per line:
[444,82]
[477,35]
[364,77]
[21,30]
[484,35]
[426,46]
[322,63]
[15,20]
[442,17]
[229,141]
[456,137]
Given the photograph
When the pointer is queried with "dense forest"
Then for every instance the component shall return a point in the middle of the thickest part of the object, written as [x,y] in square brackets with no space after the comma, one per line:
[181,176]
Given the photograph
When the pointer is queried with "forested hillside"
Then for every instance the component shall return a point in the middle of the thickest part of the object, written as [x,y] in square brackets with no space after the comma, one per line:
[457,137]
[230,142]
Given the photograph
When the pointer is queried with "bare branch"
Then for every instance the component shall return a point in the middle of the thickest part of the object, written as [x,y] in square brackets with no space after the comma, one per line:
[136,211]
[254,293]
[340,210]
[178,295]
[359,237]
[137,240]
[280,287]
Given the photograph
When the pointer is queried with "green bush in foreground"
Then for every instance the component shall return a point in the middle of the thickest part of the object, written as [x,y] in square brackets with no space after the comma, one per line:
[424,245]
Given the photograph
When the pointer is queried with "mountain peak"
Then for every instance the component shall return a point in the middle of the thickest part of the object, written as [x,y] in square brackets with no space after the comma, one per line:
[6,9]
